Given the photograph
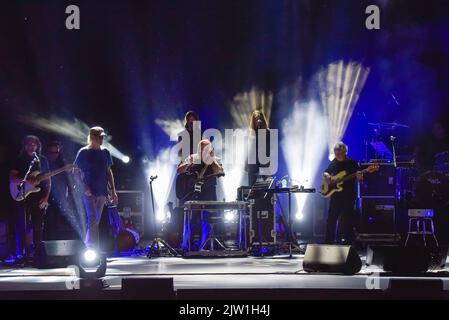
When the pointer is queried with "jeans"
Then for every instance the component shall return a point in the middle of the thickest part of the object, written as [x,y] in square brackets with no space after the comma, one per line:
[94,208]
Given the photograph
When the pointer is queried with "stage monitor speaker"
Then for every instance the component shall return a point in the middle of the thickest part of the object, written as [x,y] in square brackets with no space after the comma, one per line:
[407,260]
[331,259]
[57,253]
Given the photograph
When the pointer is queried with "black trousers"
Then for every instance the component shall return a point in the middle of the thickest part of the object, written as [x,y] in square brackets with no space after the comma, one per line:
[28,216]
[199,224]
[341,211]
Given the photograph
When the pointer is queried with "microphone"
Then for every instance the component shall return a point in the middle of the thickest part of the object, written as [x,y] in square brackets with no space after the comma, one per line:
[392,138]
[153,178]
[259,123]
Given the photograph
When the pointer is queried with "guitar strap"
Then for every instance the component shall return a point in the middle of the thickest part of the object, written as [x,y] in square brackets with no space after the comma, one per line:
[203,171]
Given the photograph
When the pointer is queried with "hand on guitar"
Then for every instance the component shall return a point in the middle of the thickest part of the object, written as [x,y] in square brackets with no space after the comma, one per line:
[88,193]
[327,177]
[43,202]
[33,180]
[114,197]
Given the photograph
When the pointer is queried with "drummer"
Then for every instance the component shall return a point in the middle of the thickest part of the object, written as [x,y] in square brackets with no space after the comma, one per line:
[429,148]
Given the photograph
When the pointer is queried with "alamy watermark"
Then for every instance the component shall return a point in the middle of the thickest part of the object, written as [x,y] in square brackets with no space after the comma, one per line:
[238,146]
[73,20]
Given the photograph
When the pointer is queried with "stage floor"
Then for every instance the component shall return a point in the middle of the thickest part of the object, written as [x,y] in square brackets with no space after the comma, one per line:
[203,275]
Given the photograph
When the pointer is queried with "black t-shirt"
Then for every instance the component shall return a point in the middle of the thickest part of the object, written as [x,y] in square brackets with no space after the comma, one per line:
[61,182]
[349,187]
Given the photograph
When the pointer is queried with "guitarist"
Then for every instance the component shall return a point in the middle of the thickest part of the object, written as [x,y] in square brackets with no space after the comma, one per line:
[29,213]
[341,206]
[204,163]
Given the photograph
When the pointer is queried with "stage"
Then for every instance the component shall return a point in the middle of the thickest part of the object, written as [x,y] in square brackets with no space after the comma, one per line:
[250,278]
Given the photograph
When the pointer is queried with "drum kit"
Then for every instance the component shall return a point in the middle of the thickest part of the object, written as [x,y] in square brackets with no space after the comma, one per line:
[414,187]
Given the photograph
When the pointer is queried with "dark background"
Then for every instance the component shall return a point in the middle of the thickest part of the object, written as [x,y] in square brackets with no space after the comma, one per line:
[134,61]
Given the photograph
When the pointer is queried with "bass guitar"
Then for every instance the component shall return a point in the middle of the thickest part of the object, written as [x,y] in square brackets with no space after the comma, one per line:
[337,181]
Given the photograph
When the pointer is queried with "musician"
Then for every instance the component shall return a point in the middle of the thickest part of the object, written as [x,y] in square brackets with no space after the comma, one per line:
[29,213]
[94,176]
[257,122]
[342,203]
[61,196]
[189,120]
[196,163]
[432,145]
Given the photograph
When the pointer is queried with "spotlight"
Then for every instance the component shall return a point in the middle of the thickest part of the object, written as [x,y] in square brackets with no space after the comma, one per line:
[161,216]
[126,159]
[340,87]
[303,146]
[90,256]
[230,216]
[299,216]
[92,264]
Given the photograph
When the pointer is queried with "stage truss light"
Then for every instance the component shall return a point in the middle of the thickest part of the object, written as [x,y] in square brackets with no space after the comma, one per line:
[303,144]
[126,159]
[245,103]
[172,127]
[340,85]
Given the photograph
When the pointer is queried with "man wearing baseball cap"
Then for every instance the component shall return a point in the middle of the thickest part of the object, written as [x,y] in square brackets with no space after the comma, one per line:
[95,176]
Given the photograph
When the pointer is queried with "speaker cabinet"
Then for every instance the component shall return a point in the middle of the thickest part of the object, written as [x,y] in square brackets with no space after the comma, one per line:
[381,183]
[331,259]
[57,253]
[378,215]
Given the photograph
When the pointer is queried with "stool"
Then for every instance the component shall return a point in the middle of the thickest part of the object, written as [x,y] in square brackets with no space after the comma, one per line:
[421,223]
[212,239]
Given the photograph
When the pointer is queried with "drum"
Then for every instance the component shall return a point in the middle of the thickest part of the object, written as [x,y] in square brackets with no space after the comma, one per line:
[406,179]
[127,240]
[432,190]
[442,163]
[442,158]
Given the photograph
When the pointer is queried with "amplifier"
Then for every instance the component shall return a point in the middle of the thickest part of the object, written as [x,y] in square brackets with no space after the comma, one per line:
[131,207]
[243,192]
[262,222]
[378,215]
[130,200]
[381,183]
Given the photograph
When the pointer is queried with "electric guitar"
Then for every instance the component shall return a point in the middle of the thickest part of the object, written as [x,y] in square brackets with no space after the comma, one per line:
[20,190]
[337,181]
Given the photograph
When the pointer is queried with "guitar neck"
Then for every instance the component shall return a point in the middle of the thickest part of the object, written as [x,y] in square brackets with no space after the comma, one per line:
[352,176]
[50,174]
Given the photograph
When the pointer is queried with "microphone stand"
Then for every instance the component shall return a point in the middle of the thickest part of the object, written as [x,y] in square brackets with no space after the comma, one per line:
[21,186]
[394,150]
[157,242]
